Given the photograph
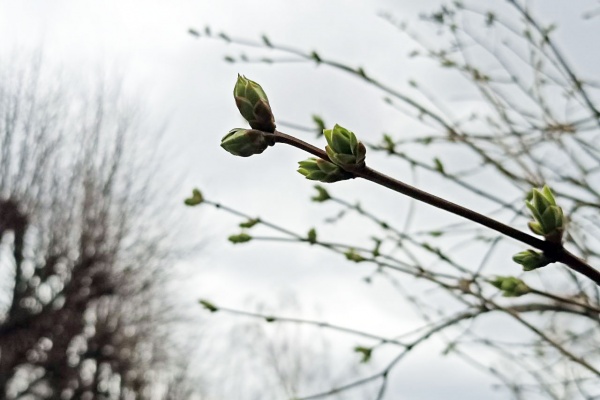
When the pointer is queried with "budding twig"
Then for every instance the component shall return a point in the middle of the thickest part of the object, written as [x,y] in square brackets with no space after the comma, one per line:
[554,251]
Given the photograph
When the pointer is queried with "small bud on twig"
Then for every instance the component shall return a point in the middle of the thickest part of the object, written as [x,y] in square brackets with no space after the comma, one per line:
[365,353]
[250,223]
[312,236]
[317,169]
[253,104]
[343,148]
[531,260]
[196,198]
[208,305]
[321,196]
[549,220]
[510,286]
[241,238]
[244,142]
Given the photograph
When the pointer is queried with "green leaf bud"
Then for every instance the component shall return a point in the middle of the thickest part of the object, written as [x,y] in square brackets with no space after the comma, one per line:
[510,286]
[244,142]
[241,238]
[388,144]
[376,250]
[322,194]
[352,255]
[250,223]
[253,104]
[317,169]
[320,124]
[196,198]
[208,305]
[365,353]
[343,148]
[439,167]
[315,57]
[312,236]
[266,41]
[531,260]
[549,220]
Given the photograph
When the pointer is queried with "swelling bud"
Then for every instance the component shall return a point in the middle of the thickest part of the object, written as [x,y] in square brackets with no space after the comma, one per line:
[195,199]
[317,169]
[531,260]
[548,217]
[244,142]
[510,286]
[343,148]
[253,104]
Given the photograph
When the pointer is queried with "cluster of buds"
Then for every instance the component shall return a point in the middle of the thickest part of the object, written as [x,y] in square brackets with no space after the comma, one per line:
[317,169]
[510,286]
[253,104]
[346,154]
[549,220]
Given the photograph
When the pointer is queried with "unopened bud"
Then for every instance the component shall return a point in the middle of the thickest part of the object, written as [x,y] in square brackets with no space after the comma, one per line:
[549,220]
[365,353]
[241,238]
[196,198]
[253,104]
[322,194]
[317,169]
[244,142]
[208,305]
[353,255]
[343,148]
[531,260]
[511,286]
[312,236]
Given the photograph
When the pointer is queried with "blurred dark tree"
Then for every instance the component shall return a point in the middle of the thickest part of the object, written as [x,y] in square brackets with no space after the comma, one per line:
[84,308]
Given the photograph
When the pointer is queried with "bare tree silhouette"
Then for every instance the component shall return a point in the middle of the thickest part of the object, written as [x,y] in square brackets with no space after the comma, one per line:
[84,312]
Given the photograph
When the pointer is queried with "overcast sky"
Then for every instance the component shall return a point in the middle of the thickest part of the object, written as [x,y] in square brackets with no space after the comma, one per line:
[184,82]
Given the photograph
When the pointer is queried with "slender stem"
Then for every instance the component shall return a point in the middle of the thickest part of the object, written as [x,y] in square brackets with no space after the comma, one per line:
[561,60]
[554,251]
[401,187]
[319,324]
[594,312]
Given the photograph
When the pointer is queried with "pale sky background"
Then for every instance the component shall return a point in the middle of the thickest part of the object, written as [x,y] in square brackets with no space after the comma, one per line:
[184,82]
